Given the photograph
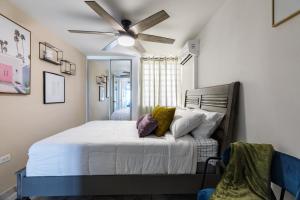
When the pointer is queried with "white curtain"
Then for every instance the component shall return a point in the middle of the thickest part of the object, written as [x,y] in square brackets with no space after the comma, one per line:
[161,83]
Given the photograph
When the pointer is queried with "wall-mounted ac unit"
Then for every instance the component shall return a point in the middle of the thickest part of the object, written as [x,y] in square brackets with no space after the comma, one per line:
[190,49]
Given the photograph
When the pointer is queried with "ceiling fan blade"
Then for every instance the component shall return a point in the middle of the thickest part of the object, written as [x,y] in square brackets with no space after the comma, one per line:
[92,32]
[149,22]
[111,45]
[154,38]
[105,15]
[139,47]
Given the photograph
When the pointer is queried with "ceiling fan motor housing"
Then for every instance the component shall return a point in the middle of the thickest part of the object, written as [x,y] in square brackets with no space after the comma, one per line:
[126,24]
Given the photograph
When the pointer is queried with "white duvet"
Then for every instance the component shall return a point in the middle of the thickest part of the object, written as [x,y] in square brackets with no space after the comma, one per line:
[110,147]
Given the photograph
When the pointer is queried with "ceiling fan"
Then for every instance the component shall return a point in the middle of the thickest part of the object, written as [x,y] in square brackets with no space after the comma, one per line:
[127,34]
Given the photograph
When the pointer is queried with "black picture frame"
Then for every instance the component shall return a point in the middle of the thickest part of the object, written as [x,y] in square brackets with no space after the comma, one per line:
[284,19]
[101,93]
[45,88]
[106,87]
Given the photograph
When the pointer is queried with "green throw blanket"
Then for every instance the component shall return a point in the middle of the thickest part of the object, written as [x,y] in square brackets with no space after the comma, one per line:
[247,175]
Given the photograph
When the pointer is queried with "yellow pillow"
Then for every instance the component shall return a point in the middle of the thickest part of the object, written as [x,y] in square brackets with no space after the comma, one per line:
[164,117]
[155,109]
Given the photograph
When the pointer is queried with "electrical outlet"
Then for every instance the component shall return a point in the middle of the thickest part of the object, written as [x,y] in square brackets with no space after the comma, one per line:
[5,158]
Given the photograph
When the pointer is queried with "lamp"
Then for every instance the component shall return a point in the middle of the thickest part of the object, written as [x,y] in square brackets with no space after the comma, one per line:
[126,40]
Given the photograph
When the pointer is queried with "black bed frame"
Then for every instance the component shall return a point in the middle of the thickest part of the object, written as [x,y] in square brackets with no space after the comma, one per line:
[222,98]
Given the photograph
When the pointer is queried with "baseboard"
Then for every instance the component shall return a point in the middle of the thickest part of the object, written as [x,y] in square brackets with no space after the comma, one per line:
[9,194]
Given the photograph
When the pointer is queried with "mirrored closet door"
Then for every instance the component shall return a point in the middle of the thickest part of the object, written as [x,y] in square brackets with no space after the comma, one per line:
[97,83]
[109,90]
[121,90]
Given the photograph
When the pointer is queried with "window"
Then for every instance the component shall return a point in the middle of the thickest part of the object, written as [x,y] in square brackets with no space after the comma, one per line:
[161,82]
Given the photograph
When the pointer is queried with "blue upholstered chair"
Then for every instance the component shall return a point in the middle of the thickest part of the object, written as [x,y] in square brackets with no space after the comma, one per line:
[285,172]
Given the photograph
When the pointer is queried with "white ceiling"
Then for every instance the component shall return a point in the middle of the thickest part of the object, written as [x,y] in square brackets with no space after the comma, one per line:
[187,17]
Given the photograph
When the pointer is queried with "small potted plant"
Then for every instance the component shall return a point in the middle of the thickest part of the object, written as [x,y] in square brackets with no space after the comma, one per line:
[3,45]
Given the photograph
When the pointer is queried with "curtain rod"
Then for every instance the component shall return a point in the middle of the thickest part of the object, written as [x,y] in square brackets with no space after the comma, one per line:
[159,58]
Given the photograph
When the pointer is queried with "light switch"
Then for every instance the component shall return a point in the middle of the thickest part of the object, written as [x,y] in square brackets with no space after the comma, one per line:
[5,158]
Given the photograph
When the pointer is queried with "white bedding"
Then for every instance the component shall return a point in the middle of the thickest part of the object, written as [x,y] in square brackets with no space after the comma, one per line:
[111,147]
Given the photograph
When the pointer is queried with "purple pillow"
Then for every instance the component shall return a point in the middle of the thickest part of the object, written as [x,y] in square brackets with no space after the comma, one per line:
[139,120]
[147,125]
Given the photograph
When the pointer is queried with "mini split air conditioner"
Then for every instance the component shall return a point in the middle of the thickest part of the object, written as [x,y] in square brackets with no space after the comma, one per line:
[190,49]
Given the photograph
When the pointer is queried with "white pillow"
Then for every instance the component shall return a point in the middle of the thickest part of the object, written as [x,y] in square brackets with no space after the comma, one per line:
[184,122]
[209,124]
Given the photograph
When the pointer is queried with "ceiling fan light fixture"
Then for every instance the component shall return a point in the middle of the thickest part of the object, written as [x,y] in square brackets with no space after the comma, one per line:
[126,41]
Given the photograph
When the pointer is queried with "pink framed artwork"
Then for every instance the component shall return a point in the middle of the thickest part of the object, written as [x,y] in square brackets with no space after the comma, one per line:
[15,62]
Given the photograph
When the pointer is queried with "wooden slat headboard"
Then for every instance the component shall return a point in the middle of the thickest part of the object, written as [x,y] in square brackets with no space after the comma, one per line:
[221,98]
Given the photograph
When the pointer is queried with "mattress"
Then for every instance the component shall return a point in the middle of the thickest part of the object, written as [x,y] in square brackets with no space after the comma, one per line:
[108,148]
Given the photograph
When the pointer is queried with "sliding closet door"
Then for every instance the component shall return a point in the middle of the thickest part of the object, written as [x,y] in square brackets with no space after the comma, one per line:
[121,90]
[98,98]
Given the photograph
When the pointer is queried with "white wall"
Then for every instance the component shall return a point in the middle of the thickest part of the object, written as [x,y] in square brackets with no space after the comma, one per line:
[239,44]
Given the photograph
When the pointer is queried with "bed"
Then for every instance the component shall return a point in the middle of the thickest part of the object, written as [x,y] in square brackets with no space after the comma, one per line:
[96,148]
[79,173]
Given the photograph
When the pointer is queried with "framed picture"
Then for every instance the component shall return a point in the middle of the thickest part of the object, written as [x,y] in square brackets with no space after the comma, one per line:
[107,87]
[284,10]
[15,62]
[101,93]
[54,88]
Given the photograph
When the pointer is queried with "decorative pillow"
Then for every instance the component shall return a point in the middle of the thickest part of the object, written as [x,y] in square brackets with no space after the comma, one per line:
[147,125]
[164,117]
[185,121]
[209,124]
[155,109]
[139,120]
